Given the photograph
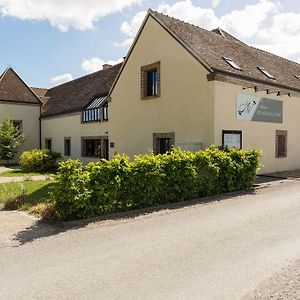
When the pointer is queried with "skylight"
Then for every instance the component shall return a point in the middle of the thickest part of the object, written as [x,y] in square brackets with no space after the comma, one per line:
[265,72]
[232,63]
[297,76]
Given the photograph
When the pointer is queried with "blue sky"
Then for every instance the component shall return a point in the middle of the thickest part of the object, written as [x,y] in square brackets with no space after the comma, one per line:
[48,42]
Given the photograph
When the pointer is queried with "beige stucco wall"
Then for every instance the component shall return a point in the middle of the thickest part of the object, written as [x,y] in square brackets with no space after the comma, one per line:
[185,106]
[259,135]
[59,127]
[29,115]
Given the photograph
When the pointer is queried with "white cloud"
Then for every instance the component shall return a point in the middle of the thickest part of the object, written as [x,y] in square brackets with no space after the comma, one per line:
[132,27]
[248,22]
[215,3]
[64,14]
[96,64]
[60,79]
[125,44]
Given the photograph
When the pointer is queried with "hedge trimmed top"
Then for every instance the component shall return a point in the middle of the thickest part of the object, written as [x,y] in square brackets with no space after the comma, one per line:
[149,180]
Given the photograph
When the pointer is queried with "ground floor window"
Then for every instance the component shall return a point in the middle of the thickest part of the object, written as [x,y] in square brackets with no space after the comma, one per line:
[281,144]
[95,147]
[48,144]
[67,146]
[163,142]
[18,124]
[232,139]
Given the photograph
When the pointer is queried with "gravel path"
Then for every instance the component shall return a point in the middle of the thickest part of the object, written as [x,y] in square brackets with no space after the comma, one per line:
[23,178]
[284,285]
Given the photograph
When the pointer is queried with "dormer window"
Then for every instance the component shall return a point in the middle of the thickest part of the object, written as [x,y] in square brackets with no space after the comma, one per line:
[97,111]
[266,73]
[232,63]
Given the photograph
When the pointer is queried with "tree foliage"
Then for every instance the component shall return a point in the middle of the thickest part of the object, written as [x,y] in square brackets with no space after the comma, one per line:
[11,139]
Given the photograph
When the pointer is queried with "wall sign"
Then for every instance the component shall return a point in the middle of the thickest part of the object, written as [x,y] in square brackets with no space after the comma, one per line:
[253,108]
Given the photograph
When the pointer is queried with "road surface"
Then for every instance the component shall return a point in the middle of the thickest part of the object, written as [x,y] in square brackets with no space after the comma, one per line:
[228,249]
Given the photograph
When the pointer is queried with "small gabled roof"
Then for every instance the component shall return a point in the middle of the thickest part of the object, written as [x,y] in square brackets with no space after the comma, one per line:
[75,95]
[13,89]
[40,92]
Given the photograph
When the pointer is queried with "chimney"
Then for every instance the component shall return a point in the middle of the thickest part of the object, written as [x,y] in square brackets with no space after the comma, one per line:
[106,66]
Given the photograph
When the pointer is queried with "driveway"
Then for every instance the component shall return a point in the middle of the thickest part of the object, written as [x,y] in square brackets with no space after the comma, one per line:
[226,249]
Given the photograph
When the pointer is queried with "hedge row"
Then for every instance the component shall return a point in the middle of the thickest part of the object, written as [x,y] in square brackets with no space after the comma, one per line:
[149,180]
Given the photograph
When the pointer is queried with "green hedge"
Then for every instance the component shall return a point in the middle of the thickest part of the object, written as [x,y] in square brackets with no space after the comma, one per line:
[39,160]
[149,180]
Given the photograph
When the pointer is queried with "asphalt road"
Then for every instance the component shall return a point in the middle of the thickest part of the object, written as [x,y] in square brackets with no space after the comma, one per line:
[220,250]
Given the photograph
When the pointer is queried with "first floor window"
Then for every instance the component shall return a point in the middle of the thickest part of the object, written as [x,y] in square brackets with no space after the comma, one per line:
[163,142]
[48,144]
[67,147]
[281,144]
[232,139]
[150,80]
[105,112]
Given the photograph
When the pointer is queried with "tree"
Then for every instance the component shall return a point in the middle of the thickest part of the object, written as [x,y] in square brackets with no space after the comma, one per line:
[11,139]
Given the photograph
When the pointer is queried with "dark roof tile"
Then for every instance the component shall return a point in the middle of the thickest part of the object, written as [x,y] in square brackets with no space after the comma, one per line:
[14,89]
[74,95]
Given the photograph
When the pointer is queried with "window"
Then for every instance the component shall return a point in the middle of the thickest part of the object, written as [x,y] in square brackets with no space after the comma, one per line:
[95,147]
[163,142]
[18,124]
[281,144]
[105,112]
[48,144]
[90,115]
[232,63]
[150,81]
[265,72]
[232,139]
[67,146]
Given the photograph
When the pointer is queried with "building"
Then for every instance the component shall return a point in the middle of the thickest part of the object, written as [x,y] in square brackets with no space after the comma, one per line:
[180,86]
[23,105]
[185,86]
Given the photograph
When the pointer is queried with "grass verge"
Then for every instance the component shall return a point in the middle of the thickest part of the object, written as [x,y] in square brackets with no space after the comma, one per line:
[32,196]
[18,172]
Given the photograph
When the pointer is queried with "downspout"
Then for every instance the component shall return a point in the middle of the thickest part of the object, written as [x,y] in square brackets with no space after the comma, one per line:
[40,121]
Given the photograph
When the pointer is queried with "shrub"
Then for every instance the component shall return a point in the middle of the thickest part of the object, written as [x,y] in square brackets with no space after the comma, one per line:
[71,193]
[121,184]
[45,211]
[39,160]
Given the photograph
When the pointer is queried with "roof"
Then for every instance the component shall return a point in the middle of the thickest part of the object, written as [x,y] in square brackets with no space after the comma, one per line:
[75,95]
[210,48]
[14,89]
[40,92]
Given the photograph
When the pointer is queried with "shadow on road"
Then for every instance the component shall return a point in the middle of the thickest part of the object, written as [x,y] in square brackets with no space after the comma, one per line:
[41,229]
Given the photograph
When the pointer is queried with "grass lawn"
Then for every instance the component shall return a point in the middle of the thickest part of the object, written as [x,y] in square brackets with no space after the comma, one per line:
[18,172]
[36,192]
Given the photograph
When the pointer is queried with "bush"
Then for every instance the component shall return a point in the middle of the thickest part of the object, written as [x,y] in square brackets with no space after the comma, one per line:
[121,184]
[39,160]
[45,211]
[71,193]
